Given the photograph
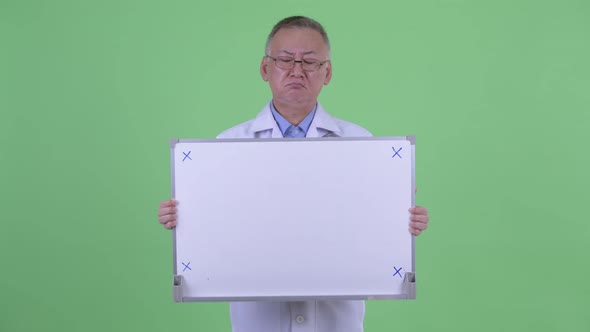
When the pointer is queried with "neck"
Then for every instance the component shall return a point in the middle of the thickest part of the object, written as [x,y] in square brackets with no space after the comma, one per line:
[293,113]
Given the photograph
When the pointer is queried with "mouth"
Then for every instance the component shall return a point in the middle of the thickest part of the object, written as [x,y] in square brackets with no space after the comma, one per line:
[295,85]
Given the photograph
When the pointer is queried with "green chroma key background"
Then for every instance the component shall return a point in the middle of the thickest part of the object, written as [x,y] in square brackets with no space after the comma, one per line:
[496,92]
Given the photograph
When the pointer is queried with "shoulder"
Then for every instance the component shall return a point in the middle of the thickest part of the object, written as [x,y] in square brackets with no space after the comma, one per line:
[349,129]
[239,131]
[264,121]
[338,126]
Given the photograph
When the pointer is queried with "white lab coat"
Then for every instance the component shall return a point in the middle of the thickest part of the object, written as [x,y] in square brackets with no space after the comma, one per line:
[323,125]
[302,316]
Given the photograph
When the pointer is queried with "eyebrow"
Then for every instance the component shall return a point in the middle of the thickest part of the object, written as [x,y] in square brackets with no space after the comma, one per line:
[291,53]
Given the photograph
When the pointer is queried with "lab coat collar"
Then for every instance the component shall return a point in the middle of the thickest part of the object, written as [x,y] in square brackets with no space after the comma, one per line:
[323,124]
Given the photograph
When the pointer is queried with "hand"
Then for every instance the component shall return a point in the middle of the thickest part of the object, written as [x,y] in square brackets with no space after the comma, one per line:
[167,213]
[418,220]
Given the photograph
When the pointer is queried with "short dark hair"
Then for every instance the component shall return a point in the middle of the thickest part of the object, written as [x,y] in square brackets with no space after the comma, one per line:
[297,22]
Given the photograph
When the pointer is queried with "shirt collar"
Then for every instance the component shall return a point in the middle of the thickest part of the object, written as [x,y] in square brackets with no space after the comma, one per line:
[322,121]
[284,124]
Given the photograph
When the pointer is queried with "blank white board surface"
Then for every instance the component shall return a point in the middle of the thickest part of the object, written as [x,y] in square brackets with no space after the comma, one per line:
[293,219]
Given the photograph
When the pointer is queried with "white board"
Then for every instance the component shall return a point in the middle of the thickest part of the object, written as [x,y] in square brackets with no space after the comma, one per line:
[293,219]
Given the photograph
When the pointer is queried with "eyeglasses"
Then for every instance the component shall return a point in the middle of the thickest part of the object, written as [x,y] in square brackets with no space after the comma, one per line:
[288,63]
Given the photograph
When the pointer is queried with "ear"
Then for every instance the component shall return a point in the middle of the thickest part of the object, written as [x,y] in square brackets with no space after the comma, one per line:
[328,72]
[264,69]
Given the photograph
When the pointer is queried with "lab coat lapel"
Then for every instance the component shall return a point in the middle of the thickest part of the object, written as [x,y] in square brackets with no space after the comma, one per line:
[323,125]
[264,125]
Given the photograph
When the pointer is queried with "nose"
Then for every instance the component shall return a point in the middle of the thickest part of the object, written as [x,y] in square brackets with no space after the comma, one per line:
[297,68]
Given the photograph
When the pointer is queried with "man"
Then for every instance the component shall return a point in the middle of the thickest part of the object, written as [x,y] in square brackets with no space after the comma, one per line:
[296,66]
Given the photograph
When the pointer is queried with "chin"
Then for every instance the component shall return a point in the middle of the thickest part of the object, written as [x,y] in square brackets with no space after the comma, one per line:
[298,100]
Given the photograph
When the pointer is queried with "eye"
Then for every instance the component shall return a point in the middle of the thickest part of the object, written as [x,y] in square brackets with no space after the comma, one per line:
[284,60]
[310,61]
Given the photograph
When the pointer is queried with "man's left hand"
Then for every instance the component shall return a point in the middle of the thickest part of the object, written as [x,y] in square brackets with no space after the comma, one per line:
[418,220]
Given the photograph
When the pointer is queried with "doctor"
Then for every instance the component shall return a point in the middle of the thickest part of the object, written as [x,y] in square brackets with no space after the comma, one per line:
[296,66]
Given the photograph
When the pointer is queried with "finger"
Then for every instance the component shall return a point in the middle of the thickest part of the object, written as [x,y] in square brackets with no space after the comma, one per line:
[168,218]
[170,224]
[418,210]
[166,211]
[415,231]
[419,218]
[168,203]
[418,225]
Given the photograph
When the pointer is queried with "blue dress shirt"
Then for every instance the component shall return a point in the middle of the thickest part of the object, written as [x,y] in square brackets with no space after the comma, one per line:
[287,127]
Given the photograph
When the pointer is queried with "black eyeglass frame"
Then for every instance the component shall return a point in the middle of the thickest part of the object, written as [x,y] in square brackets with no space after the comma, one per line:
[303,63]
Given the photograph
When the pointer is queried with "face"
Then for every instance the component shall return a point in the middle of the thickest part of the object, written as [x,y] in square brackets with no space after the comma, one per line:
[296,86]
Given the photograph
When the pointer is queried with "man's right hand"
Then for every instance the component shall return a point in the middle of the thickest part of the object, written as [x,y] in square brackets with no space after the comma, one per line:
[167,213]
